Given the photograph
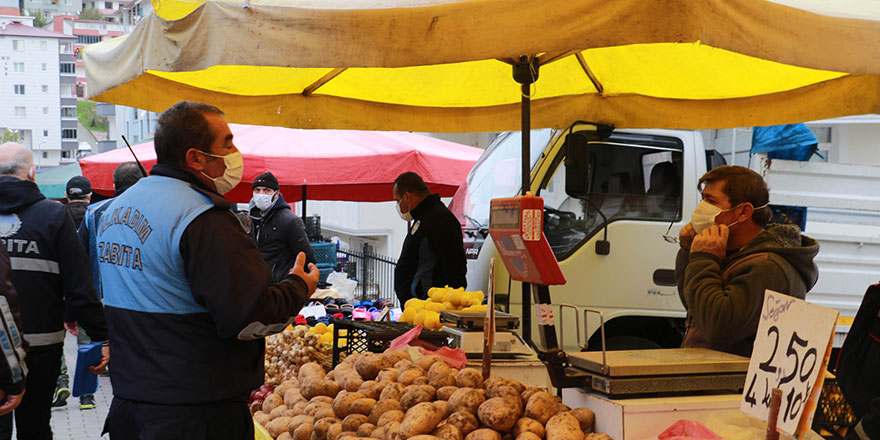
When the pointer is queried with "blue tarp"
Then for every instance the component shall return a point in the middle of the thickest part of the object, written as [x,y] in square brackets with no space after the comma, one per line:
[791,142]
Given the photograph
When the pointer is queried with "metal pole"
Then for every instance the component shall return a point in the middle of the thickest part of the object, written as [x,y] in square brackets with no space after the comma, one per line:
[304,204]
[526,138]
[364,274]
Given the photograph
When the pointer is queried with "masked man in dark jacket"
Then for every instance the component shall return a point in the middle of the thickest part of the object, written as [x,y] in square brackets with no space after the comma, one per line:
[729,255]
[279,234]
[433,253]
[50,272]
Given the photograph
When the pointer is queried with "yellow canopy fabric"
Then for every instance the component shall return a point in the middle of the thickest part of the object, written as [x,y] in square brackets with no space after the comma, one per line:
[445,65]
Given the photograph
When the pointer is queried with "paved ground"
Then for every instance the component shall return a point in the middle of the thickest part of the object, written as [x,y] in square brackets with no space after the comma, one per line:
[71,423]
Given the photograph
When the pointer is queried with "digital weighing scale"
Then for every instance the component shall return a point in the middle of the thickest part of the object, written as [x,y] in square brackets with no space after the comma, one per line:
[467,334]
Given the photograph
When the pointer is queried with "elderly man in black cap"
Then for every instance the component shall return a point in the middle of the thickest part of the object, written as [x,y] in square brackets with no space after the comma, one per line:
[79,195]
[279,234]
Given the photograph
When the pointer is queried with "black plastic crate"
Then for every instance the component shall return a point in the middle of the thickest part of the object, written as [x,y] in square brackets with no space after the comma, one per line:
[313,227]
[833,415]
[376,336]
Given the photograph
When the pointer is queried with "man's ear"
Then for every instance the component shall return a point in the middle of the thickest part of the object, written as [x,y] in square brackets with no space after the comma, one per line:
[747,212]
[194,159]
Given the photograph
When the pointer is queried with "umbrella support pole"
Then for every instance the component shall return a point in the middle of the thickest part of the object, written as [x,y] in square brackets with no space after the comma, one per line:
[525,72]
[304,204]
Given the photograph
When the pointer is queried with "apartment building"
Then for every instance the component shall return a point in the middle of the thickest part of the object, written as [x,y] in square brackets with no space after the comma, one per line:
[52,8]
[38,83]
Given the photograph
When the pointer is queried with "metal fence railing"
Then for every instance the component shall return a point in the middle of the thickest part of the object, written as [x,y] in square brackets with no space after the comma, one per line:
[373,272]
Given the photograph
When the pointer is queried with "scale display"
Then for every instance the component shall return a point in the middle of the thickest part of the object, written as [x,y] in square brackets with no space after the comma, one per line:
[516,227]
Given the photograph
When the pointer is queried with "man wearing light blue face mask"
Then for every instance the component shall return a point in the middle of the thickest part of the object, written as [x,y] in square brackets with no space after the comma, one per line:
[730,254]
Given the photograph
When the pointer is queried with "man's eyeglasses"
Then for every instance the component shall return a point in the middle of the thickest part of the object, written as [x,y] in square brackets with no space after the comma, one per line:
[670,238]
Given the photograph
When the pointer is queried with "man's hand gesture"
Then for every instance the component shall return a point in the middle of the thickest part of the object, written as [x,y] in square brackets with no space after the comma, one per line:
[712,240]
[311,278]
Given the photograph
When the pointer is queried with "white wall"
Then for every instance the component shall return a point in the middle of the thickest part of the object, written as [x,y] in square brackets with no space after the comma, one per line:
[34,100]
[862,143]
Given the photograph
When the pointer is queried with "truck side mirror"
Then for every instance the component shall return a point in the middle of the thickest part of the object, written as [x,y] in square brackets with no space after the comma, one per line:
[577,166]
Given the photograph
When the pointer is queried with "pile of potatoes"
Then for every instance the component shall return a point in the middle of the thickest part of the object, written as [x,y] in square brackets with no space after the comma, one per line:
[390,397]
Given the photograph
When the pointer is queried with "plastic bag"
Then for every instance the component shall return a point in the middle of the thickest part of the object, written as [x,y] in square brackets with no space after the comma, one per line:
[340,282]
[455,358]
[688,430]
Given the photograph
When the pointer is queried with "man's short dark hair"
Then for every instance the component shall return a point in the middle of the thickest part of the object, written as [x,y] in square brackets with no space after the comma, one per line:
[742,185]
[126,175]
[410,182]
[181,127]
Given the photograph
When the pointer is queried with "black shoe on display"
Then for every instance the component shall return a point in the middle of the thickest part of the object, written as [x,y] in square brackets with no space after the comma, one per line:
[87,402]
[62,392]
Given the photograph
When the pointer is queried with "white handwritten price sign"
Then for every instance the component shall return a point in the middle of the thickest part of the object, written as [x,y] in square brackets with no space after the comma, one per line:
[791,351]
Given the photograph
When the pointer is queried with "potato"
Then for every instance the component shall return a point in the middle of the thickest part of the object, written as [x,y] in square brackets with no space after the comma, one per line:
[366,385]
[527,435]
[464,421]
[598,436]
[284,436]
[446,431]
[348,378]
[321,426]
[311,371]
[388,374]
[277,426]
[442,380]
[350,435]
[526,424]
[585,417]
[300,420]
[498,414]
[277,411]
[313,408]
[528,393]
[420,419]
[438,369]
[393,391]
[271,402]
[353,421]
[466,399]
[375,390]
[541,406]
[408,375]
[507,393]
[421,380]
[425,362]
[400,365]
[443,406]
[484,434]
[302,432]
[322,399]
[390,429]
[289,413]
[379,433]
[381,407]
[370,364]
[424,437]
[366,430]
[300,407]
[444,393]
[469,378]
[333,431]
[255,407]
[342,403]
[282,388]
[390,416]
[416,394]
[331,375]
[394,356]
[262,418]
[292,397]
[564,426]
[312,389]
[500,381]
[323,413]
[362,406]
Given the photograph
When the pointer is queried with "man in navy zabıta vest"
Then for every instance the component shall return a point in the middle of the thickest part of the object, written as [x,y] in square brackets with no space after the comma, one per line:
[187,296]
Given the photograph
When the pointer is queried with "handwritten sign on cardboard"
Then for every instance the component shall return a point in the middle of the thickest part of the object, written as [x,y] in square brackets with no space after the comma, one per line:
[790,353]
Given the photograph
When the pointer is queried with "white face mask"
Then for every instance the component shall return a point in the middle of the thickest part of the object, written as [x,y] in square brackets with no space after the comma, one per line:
[704,215]
[232,176]
[262,201]
[406,216]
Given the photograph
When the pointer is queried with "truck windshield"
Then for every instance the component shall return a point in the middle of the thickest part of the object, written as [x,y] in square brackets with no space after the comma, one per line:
[496,174]
[625,181]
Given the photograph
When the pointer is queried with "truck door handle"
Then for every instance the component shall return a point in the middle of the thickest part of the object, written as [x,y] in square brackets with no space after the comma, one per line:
[664,277]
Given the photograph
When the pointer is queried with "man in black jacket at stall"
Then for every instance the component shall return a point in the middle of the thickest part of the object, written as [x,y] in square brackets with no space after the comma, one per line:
[433,252]
[50,271]
[279,234]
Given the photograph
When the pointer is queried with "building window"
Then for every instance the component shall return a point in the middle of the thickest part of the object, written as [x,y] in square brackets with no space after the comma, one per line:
[43,45]
[68,68]
[45,155]
[45,110]
[44,67]
[66,154]
[18,45]
[45,133]
[68,112]
[65,48]
[108,5]
[88,39]
[68,133]
[20,112]
[19,89]
[45,88]
[19,67]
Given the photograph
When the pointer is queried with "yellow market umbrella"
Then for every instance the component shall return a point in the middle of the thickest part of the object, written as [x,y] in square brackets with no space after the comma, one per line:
[435,65]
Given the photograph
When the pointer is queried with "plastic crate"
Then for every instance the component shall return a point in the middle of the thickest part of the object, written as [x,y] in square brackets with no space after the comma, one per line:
[833,415]
[376,336]
[324,272]
[313,227]
[325,253]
